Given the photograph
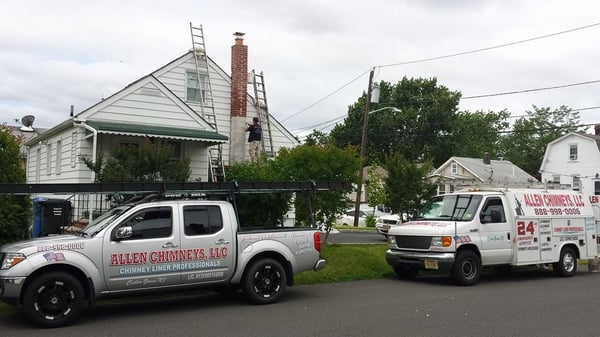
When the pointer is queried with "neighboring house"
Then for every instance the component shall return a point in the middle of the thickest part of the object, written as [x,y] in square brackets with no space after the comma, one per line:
[165,106]
[573,161]
[460,172]
[24,133]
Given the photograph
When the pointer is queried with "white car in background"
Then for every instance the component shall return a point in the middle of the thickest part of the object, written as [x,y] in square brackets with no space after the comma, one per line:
[347,219]
[385,222]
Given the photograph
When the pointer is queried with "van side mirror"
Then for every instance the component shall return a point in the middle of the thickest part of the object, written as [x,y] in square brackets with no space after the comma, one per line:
[124,232]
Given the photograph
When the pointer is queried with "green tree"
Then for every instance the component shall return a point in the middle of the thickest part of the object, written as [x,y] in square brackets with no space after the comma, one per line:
[426,126]
[479,132]
[316,138]
[301,163]
[526,144]
[259,209]
[375,188]
[150,162]
[320,163]
[406,185]
[15,210]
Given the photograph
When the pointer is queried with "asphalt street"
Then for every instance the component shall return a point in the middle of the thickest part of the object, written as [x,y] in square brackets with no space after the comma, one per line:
[532,303]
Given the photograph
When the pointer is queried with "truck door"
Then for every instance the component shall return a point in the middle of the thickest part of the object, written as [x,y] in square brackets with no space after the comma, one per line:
[496,233]
[209,235]
[142,258]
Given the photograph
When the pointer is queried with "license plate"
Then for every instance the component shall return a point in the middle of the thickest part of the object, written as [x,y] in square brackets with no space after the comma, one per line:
[431,264]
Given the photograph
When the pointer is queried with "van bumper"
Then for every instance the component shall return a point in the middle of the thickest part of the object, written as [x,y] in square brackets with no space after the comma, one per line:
[319,265]
[421,260]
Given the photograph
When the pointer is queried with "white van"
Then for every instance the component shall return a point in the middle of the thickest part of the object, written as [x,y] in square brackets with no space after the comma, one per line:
[464,231]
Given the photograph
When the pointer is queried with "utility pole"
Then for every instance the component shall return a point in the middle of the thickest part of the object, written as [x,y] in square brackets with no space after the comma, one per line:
[363,148]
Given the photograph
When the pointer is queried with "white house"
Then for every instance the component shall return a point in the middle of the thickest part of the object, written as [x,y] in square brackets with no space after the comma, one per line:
[462,172]
[166,107]
[573,161]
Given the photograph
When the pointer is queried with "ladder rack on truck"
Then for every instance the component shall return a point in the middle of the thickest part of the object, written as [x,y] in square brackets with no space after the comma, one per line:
[215,187]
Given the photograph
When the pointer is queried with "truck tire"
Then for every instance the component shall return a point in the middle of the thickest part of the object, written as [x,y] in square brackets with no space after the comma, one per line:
[54,299]
[404,271]
[467,268]
[567,264]
[264,281]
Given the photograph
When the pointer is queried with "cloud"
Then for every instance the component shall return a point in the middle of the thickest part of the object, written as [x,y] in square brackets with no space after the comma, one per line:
[54,54]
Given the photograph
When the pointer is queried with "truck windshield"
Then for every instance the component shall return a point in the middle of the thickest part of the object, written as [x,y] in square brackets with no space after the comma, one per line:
[459,207]
[103,220]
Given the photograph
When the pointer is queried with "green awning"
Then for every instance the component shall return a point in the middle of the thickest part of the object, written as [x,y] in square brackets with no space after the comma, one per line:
[128,129]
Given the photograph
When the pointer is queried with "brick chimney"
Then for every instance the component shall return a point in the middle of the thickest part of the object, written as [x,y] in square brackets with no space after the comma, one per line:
[239,76]
[597,130]
[239,101]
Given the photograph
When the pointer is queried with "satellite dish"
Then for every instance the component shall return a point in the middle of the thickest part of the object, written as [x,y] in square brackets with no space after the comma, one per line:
[27,122]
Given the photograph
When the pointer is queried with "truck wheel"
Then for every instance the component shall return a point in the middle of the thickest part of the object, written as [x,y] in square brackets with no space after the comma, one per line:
[54,299]
[264,281]
[404,271]
[467,268]
[567,264]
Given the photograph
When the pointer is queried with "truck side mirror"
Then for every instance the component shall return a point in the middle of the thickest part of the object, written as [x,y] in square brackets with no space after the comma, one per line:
[124,232]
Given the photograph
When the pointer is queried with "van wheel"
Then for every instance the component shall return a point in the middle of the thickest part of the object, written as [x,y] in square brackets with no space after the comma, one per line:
[467,268]
[53,300]
[264,281]
[567,264]
[404,271]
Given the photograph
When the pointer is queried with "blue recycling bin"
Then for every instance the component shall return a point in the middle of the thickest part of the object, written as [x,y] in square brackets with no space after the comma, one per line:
[49,216]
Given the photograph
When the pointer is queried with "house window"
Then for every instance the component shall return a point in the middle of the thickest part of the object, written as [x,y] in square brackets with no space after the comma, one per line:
[48,158]
[454,168]
[58,159]
[441,189]
[576,183]
[556,179]
[175,147]
[196,89]
[573,152]
[596,187]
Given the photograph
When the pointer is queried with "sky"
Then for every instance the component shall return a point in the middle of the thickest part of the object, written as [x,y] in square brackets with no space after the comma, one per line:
[315,55]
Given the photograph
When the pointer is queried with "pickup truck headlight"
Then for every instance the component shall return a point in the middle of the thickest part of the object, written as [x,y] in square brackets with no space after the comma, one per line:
[11,259]
[441,241]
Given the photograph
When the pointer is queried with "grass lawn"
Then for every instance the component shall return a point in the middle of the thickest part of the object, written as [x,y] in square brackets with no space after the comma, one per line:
[349,263]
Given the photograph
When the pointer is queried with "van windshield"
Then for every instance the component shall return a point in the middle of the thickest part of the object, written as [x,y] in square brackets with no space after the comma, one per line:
[458,207]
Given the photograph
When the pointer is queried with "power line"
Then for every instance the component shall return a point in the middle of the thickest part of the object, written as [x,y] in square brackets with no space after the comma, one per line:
[326,97]
[490,48]
[531,90]
[437,58]
[323,125]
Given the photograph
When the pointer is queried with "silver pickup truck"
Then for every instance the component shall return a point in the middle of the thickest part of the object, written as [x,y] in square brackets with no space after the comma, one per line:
[151,246]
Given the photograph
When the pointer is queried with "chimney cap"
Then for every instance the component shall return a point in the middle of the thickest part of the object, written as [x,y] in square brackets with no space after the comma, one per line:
[239,35]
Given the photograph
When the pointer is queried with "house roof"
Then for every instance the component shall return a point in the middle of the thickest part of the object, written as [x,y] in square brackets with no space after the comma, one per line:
[500,171]
[157,131]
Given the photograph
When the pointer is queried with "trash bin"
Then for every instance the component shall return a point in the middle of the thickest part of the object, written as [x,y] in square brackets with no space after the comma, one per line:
[49,215]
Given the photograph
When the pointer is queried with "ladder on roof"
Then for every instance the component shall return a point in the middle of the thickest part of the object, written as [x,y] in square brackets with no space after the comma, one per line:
[216,169]
[262,111]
